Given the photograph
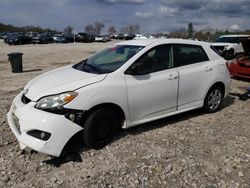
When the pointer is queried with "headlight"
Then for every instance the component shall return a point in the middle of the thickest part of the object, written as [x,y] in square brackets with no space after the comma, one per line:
[55,102]
[225,47]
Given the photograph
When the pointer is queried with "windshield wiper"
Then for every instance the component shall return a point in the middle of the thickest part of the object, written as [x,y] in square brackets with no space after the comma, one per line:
[84,63]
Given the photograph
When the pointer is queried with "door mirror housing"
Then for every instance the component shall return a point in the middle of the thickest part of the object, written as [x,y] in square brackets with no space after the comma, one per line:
[137,69]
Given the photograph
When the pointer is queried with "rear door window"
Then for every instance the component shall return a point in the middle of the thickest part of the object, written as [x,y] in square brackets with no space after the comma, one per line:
[185,54]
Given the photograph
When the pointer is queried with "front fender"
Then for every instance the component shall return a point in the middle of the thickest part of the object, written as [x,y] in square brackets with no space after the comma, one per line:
[108,91]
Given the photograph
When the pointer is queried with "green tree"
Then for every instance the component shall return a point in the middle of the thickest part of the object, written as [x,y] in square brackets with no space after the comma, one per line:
[190,30]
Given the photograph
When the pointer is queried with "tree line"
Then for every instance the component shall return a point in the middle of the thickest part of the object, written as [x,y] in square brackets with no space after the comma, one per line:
[28,28]
[97,27]
[190,32]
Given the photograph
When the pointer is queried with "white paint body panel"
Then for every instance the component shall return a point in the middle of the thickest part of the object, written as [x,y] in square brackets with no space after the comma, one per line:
[237,47]
[142,98]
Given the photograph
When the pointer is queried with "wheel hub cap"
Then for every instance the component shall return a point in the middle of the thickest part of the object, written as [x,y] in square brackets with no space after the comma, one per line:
[214,99]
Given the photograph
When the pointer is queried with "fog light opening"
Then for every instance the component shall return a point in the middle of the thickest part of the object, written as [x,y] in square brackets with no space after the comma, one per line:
[42,135]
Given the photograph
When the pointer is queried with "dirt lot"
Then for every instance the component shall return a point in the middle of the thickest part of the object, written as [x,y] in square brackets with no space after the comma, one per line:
[188,150]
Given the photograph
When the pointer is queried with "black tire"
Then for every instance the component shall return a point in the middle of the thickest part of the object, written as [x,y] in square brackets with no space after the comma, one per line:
[213,99]
[229,55]
[99,128]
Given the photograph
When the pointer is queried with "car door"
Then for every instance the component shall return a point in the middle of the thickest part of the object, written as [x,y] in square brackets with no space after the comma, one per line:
[196,73]
[152,84]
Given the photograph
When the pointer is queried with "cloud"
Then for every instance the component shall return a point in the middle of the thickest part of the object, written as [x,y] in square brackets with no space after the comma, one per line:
[135,2]
[167,11]
[184,4]
[144,15]
[235,27]
[164,15]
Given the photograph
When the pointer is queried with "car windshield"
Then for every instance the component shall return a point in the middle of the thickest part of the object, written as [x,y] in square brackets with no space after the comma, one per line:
[108,60]
[228,39]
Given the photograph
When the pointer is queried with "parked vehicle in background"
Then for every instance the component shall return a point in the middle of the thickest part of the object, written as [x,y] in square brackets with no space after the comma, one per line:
[63,38]
[120,36]
[42,38]
[17,38]
[241,66]
[230,45]
[142,36]
[139,37]
[125,36]
[124,85]
[2,35]
[84,37]
[31,34]
[129,36]
[102,38]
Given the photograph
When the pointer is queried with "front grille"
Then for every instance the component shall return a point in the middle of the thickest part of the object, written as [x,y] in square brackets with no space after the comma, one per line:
[219,48]
[25,99]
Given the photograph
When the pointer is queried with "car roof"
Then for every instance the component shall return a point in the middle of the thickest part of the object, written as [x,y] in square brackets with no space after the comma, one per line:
[234,36]
[146,42]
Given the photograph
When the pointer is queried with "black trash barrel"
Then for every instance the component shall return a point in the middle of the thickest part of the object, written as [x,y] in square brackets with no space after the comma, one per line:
[16,62]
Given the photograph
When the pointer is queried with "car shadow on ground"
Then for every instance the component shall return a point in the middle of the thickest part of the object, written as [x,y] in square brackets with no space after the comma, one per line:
[75,147]
[241,79]
[32,70]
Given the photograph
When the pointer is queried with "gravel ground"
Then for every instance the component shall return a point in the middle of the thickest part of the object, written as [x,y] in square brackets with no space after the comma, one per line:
[188,150]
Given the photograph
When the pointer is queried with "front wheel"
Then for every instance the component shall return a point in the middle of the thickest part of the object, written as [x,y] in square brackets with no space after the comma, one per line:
[213,99]
[229,55]
[99,128]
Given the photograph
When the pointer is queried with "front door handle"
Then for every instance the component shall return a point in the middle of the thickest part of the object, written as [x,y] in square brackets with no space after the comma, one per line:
[172,77]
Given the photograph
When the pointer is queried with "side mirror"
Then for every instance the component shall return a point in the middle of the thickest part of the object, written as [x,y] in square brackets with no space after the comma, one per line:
[137,69]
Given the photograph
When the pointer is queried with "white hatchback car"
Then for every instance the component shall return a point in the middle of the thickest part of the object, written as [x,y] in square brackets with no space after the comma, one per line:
[130,83]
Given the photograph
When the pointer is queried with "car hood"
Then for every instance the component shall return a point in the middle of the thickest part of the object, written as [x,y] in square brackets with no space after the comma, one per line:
[59,81]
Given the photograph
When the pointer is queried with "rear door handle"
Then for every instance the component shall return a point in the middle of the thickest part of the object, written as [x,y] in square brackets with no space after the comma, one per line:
[172,77]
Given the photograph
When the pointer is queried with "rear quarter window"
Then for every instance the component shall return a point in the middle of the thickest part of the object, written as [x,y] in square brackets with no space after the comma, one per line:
[216,51]
[188,54]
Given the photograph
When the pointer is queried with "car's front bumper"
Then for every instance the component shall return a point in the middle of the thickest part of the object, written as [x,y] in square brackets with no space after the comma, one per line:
[23,118]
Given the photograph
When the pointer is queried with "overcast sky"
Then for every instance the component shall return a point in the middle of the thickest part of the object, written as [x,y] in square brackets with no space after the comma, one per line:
[152,15]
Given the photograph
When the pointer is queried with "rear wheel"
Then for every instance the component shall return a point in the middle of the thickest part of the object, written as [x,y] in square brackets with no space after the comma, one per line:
[213,99]
[99,128]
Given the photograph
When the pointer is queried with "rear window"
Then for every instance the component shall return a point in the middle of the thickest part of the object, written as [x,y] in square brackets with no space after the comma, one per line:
[229,39]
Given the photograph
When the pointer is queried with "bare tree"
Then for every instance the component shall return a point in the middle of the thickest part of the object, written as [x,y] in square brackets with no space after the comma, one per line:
[98,27]
[123,30]
[68,29]
[131,29]
[137,28]
[199,35]
[111,30]
[90,29]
